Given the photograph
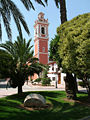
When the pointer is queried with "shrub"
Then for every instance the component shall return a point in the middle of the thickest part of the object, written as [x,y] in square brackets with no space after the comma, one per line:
[46,81]
[81,83]
[38,80]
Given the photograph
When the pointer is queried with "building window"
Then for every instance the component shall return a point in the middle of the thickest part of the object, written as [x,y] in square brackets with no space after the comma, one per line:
[42,30]
[53,78]
[56,70]
[52,67]
[36,31]
[43,49]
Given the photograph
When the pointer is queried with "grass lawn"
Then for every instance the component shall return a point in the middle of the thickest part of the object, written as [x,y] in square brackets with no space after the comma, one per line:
[61,110]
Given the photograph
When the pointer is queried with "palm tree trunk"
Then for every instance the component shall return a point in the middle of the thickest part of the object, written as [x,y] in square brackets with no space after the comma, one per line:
[63,13]
[20,89]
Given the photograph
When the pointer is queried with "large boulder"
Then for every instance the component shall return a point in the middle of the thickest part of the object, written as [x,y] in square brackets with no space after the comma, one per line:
[34,100]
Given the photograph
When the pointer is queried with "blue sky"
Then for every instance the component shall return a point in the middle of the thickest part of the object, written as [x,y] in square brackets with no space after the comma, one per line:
[74,8]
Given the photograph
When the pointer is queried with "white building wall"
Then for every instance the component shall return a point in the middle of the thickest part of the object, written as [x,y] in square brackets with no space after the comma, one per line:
[62,78]
[52,74]
[53,66]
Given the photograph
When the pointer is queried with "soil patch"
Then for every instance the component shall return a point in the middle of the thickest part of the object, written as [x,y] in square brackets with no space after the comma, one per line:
[47,106]
[83,102]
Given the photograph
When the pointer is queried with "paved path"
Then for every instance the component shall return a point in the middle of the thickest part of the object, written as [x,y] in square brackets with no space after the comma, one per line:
[5,92]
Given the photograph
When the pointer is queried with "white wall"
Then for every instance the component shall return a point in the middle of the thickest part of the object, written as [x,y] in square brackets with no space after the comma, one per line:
[62,78]
[51,66]
[55,75]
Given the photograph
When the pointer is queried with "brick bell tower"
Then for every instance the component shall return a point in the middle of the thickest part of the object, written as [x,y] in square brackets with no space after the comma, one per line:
[41,38]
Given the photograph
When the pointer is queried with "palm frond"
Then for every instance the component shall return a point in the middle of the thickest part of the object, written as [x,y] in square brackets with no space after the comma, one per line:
[28,4]
[46,1]
[57,2]
[6,23]
[0,30]
[28,44]
[9,48]
[40,2]
[5,7]
[18,17]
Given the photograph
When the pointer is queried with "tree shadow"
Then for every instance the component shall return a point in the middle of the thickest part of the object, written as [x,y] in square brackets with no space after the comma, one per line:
[43,93]
[61,110]
[67,111]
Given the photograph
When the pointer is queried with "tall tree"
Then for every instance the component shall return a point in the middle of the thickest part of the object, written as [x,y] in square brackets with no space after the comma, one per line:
[75,47]
[21,62]
[69,81]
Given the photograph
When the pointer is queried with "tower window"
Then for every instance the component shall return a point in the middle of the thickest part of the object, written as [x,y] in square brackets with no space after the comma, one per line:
[43,49]
[42,30]
[36,31]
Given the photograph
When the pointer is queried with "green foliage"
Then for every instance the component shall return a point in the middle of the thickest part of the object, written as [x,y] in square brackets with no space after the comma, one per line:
[46,81]
[54,55]
[45,72]
[38,80]
[81,83]
[18,62]
[74,45]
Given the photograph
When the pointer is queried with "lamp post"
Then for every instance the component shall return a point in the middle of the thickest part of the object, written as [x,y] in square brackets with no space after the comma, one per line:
[56,78]
[56,81]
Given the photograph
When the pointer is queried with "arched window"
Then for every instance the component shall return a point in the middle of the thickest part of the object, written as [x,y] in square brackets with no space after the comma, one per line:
[36,31]
[42,30]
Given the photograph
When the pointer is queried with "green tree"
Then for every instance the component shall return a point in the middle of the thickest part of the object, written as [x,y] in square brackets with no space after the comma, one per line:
[45,80]
[54,55]
[5,63]
[21,62]
[70,80]
[74,47]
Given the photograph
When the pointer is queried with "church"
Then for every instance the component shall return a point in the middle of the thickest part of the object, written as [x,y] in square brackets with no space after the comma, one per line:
[41,38]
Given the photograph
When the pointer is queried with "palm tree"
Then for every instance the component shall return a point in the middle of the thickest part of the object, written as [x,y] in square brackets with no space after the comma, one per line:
[8,7]
[21,62]
[62,5]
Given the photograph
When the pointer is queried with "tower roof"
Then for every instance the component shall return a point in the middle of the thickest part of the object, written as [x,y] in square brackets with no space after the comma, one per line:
[41,19]
[41,13]
[41,16]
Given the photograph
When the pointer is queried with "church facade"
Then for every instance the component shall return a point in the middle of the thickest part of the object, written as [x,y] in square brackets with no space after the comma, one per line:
[41,38]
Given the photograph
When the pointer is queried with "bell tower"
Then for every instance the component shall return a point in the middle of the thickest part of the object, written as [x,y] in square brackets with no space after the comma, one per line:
[41,38]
